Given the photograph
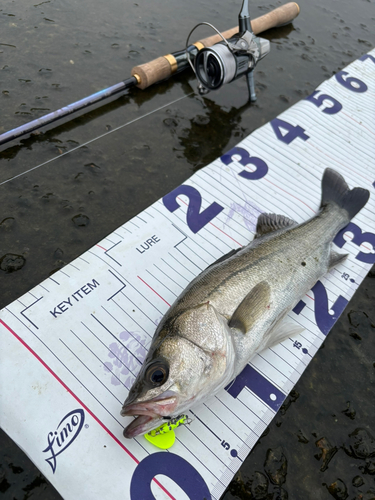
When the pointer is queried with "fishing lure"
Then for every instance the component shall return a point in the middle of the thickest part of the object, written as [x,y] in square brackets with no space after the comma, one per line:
[163,436]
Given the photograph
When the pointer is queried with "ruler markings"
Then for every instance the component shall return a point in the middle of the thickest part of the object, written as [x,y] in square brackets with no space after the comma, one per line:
[117,340]
[92,373]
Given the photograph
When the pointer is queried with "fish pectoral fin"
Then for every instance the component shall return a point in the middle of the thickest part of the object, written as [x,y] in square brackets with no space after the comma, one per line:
[282,330]
[251,308]
[336,258]
[267,223]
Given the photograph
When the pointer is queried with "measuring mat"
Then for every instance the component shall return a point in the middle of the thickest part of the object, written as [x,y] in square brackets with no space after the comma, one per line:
[72,346]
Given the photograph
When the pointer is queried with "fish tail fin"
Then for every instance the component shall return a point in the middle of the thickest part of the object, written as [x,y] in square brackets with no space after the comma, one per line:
[334,188]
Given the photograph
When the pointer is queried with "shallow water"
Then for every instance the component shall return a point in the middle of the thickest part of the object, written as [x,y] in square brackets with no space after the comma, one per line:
[55,52]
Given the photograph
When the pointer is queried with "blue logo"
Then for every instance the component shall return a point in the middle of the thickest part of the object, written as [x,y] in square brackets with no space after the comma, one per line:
[64,435]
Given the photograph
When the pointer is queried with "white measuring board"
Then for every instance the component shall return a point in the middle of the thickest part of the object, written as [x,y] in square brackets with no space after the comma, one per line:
[72,346]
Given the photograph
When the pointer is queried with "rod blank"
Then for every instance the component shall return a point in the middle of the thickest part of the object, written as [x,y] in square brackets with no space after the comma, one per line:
[154,71]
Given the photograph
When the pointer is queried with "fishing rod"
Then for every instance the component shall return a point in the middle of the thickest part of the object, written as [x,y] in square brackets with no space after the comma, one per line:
[218,59]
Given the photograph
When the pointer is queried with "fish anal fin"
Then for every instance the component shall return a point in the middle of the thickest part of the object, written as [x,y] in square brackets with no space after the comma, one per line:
[282,330]
[251,308]
[267,223]
[336,258]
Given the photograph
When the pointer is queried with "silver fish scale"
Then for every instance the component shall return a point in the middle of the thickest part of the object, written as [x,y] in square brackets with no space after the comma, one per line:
[289,260]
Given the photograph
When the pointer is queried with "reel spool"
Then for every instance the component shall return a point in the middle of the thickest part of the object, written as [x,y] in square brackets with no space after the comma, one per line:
[230,59]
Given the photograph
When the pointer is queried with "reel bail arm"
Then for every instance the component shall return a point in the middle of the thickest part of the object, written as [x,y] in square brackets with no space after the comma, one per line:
[244,21]
[244,24]
[228,60]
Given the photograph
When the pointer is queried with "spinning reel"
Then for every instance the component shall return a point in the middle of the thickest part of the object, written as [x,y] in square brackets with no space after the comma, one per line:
[228,60]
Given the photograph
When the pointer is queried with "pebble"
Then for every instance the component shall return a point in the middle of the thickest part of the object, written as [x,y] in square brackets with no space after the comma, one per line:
[361,444]
[369,495]
[350,411]
[7,223]
[12,262]
[301,437]
[357,481]
[368,468]
[279,494]
[338,490]
[81,220]
[276,466]
[258,486]
[327,452]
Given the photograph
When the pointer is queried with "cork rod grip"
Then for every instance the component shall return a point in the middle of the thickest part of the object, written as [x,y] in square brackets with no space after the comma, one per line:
[277,17]
[163,67]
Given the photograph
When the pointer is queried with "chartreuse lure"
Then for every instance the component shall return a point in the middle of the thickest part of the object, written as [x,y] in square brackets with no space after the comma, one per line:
[163,437]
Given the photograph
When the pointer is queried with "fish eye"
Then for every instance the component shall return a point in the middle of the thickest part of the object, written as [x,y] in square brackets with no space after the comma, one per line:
[157,373]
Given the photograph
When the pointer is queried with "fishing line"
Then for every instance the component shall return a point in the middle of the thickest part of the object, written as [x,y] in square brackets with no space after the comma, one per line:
[96,138]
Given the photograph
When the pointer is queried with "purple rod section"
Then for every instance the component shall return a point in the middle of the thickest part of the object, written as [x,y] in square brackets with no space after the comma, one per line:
[66,110]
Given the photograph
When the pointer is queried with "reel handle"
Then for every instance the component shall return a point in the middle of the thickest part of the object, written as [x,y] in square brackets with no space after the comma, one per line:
[163,67]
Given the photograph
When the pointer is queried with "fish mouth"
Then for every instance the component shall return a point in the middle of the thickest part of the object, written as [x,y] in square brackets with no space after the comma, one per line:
[149,415]
[142,425]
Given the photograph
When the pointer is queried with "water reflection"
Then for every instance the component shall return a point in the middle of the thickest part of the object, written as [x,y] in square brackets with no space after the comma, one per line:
[205,136]
[280,33]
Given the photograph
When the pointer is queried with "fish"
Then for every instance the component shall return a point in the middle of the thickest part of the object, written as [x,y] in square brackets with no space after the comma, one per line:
[237,307]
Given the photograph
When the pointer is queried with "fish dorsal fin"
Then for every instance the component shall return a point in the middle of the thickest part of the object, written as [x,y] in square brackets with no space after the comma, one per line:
[251,308]
[225,257]
[268,223]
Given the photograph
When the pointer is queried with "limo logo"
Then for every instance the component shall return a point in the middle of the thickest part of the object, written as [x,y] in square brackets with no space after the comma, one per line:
[64,435]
